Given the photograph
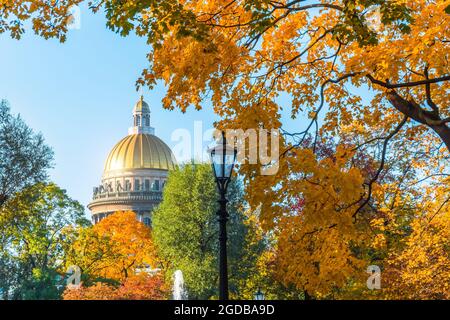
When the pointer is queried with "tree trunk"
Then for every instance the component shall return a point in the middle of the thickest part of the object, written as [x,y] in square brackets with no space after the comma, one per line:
[444,133]
[414,111]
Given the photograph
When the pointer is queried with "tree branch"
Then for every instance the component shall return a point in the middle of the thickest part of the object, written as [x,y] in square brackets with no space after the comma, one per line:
[322,101]
[406,84]
[430,102]
[381,167]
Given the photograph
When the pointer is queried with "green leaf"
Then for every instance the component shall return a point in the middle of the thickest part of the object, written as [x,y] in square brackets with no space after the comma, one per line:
[447,9]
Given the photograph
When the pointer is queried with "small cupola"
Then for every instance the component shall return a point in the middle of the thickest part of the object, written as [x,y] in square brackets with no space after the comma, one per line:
[141,118]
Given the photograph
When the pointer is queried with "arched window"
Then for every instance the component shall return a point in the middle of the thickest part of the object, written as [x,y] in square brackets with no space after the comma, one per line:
[147,121]
[136,185]
[138,121]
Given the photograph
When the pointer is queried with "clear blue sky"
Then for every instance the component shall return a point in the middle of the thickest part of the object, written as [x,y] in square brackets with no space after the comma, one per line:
[80,95]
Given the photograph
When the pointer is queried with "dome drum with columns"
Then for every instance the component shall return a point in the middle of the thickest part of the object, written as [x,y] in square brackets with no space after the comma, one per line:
[135,171]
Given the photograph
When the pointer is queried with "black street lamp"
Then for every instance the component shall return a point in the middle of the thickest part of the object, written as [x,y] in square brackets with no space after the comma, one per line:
[223,158]
[259,295]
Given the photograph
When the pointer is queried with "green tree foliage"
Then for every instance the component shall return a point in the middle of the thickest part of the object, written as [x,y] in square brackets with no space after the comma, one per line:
[185,231]
[24,157]
[31,242]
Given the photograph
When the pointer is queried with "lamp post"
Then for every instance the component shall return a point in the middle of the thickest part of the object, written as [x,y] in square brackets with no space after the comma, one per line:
[223,158]
[259,295]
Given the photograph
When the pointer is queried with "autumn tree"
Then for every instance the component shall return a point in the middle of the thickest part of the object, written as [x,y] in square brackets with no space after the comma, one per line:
[138,287]
[33,226]
[112,249]
[420,268]
[186,232]
[49,19]
[24,156]
[117,260]
[245,54]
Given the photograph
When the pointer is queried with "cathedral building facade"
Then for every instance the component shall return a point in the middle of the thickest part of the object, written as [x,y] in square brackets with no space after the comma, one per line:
[135,171]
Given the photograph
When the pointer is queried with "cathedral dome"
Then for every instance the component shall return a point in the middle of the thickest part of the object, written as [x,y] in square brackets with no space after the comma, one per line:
[135,172]
[140,151]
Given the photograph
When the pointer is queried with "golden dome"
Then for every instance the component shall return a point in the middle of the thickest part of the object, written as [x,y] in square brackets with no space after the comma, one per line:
[140,151]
